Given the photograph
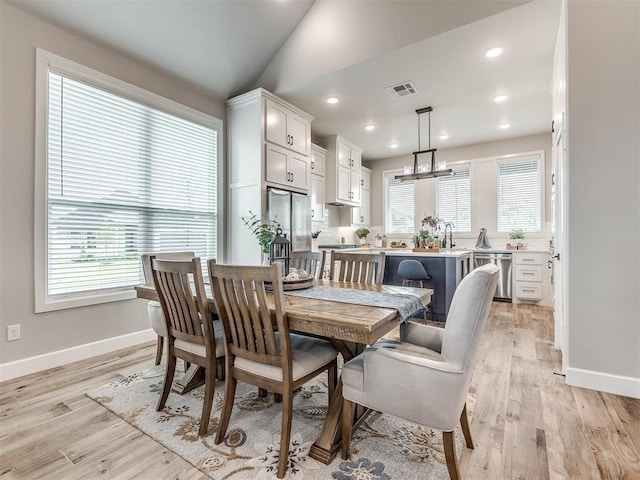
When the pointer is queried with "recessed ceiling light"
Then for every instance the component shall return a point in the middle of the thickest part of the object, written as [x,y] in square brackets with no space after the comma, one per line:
[444,136]
[393,145]
[493,52]
[504,126]
[370,127]
[500,98]
[332,100]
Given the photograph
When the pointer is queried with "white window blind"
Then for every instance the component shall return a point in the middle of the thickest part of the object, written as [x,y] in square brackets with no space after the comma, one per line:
[519,196]
[399,204]
[123,179]
[453,199]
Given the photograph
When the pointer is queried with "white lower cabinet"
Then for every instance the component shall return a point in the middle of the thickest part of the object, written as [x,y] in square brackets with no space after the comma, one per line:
[528,276]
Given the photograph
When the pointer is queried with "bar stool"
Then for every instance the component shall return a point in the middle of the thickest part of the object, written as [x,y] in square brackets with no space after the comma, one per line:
[413,271]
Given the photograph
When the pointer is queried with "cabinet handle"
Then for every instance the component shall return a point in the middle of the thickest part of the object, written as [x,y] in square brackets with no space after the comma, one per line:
[292,176]
[362,183]
[528,273]
[312,214]
[361,218]
[312,165]
[291,139]
[530,290]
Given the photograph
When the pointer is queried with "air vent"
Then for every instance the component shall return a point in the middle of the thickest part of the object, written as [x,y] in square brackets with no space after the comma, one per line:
[401,90]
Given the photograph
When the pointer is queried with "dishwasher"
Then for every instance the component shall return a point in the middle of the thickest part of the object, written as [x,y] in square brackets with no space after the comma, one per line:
[503,262]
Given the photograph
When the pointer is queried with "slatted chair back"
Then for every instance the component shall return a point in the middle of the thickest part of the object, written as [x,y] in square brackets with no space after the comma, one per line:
[311,262]
[181,291]
[240,296]
[357,267]
[147,257]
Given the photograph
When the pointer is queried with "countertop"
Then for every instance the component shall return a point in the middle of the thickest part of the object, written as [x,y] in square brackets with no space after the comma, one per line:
[445,252]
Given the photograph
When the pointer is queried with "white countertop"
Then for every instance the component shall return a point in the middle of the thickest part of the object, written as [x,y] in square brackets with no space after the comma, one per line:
[409,252]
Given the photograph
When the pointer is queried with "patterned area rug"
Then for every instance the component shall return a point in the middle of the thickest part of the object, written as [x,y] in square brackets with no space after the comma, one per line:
[383,448]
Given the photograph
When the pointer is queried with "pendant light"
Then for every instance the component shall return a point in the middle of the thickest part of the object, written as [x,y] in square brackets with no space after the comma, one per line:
[425,170]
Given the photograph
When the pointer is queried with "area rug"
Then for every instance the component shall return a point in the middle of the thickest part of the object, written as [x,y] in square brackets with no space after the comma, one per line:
[383,448]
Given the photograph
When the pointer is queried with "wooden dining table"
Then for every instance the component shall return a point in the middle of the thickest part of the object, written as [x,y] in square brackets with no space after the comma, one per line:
[350,327]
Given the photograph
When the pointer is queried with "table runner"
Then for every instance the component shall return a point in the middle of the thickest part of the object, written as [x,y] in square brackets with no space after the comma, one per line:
[406,304]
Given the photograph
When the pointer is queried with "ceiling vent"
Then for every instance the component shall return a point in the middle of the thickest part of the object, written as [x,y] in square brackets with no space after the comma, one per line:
[401,90]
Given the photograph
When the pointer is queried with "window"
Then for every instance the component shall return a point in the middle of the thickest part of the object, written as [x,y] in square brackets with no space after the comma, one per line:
[398,204]
[453,199]
[519,194]
[123,172]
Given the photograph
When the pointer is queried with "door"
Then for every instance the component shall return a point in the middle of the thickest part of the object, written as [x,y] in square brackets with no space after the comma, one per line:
[276,165]
[317,198]
[559,238]
[300,222]
[299,134]
[276,130]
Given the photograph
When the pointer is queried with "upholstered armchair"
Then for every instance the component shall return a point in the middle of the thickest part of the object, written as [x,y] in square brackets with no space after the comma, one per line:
[424,377]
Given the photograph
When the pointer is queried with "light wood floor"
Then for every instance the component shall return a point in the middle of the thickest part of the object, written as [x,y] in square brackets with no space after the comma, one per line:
[526,423]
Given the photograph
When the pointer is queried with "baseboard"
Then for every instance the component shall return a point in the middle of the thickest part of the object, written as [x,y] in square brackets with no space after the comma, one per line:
[605,382]
[38,363]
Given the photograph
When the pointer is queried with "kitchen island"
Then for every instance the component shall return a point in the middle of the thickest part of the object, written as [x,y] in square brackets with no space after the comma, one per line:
[446,267]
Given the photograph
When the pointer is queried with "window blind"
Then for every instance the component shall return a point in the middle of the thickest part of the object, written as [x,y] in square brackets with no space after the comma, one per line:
[519,201]
[453,199]
[399,205]
[123,179]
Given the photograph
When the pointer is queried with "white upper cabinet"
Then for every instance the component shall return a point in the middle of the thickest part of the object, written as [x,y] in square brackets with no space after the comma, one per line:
[286,168]
[362,215]
[318,160]
[342,172]
[317,167]
[286,128]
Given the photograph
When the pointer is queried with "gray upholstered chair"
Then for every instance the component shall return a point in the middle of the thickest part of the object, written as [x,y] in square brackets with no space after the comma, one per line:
[156,317]
[424,377]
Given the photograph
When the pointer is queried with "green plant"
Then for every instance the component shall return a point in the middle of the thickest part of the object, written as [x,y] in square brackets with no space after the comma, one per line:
[362,232]
[264,232]
[431,221]
[516,234]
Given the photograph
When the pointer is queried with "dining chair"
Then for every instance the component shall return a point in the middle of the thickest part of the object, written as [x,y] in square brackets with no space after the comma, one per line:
[192,334]
[154,310]
[424,377]
[311,262]
[270,358]
[357,267]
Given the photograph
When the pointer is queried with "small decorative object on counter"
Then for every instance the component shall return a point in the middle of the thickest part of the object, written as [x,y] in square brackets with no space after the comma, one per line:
[315,234]
[483,241]
[384,241]
[378,241]
[280,250]
[516,234]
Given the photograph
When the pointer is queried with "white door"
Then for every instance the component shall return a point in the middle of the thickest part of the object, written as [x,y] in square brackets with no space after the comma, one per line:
[299,134]
[558,208]
[277,129]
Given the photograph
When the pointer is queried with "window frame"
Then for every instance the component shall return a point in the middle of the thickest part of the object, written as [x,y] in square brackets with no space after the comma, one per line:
[46,62]
[385,195]
[459,166]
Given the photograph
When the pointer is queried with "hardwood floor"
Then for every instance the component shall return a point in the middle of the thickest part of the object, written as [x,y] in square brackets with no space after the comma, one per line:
[526,423]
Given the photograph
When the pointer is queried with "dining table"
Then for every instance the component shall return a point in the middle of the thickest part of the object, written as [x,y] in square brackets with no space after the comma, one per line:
[349,326]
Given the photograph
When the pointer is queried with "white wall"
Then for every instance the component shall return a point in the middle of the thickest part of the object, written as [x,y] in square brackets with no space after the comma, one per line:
[424,188]
[20,34]
[603,132]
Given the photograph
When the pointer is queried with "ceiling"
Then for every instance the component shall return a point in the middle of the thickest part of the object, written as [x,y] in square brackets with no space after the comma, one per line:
[305,51]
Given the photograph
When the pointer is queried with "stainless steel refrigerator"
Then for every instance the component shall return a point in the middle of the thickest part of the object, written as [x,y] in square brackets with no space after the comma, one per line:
[293,212]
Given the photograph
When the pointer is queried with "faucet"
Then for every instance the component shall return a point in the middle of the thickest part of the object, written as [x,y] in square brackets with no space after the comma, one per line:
[444,242]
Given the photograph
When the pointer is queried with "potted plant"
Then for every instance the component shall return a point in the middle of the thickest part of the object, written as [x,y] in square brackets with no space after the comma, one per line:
[516,234]
[264,232]
[362,234]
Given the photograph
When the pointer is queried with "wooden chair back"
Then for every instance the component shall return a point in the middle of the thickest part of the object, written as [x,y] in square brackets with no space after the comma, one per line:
[240,296]
[357,267]
[147,257]
[181,292]
[311,262]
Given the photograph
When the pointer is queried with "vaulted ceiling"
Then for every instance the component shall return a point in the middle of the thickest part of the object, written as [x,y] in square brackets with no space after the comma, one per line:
[305,51]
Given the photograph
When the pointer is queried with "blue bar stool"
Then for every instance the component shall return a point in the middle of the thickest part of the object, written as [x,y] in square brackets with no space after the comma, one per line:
[413,271]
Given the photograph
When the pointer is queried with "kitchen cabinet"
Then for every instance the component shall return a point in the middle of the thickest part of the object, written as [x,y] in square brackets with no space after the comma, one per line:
[343,172]
[268,144]
[528,276]
[286,168]
[362,215]
[286,128]
[317,167]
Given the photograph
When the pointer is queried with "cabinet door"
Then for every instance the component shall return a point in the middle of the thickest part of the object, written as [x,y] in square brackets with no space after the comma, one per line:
[299,130]
[356,160]
[318,161]
[355,187]
[317,198]
[343,183]
[276,121]
[344,155]
[298,167]
[276,165]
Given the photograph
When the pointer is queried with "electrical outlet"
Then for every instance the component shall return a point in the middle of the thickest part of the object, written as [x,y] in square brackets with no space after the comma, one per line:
[13,333]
